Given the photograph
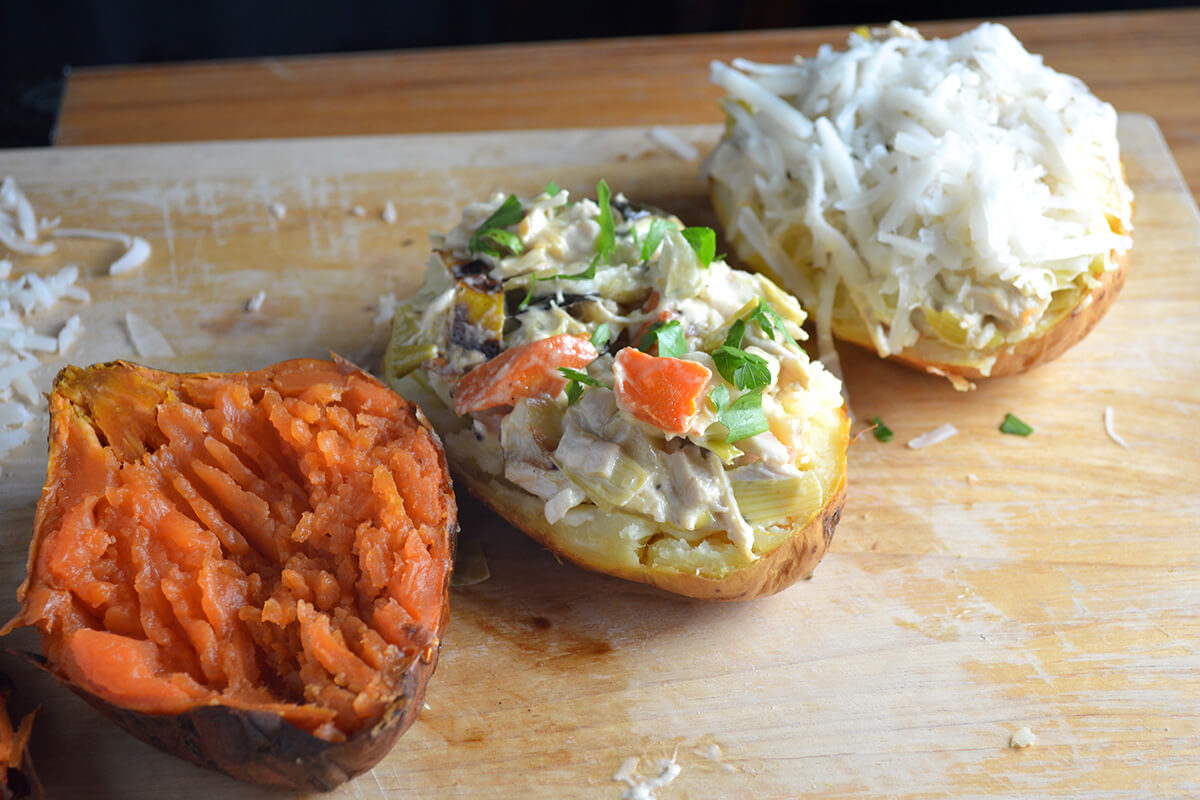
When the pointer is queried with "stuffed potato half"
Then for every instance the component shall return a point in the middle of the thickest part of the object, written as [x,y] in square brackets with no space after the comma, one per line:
[954,204]
[624,397]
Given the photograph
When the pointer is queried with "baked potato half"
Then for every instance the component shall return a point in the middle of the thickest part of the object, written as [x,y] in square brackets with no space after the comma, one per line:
[628,400]
[953,205]
[248,570]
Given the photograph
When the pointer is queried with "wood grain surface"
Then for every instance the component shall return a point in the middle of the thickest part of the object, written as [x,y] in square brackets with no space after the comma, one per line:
[1146,62]
[985,584]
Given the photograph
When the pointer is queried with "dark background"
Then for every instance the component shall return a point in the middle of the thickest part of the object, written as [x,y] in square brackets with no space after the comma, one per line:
[40,40]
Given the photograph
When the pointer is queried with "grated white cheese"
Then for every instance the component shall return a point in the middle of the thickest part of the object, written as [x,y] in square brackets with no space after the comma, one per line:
[957,182]
[389,213]
[147,339]
[387,308]
[643,788]
[358,211]
[938,434]
[137,249]
[1022,738]
[69,333]
[673,143]
[1110,429]
[256,302]
[278,210]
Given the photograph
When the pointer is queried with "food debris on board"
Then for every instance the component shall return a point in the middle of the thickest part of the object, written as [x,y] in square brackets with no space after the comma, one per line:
[147,339]
[643,788]
[1110,429]
[389,214]
[1021,738]
[278,210]
[673,143]
[938,434]
[256,302]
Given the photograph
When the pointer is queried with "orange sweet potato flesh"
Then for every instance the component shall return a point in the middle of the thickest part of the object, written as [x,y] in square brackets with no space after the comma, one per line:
[250,570]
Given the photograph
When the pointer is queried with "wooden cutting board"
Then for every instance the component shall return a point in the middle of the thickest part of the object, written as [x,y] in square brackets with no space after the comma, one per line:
[985,584]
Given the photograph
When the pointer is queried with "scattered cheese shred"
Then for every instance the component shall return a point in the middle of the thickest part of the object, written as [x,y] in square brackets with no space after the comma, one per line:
[137,249]
[1022,738]
[147,339]
[278,210]
[256,302]
[389,213]
[938,434]
[358,211]
[1110,429]
[673,143]
[387,308]
[643,788]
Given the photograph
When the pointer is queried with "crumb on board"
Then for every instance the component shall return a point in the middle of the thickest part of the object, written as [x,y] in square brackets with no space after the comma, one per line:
[256,302]
[278,210]
[643,788]
[389,213]
[972,479]
[938,434]
[358,211]
[1021,738]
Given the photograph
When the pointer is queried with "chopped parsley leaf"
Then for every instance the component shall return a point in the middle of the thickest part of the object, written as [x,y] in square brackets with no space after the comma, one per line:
[882,432]
[669,337]
[744,370]
[703,241]
[577,381]
[743,417]
[768,320]
[552,188]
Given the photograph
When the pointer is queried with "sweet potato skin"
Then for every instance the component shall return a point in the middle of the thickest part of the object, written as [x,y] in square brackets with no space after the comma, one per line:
[256,745]
[260,746]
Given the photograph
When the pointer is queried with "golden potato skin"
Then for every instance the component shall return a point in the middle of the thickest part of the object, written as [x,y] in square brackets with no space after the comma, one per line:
[1011,358]
[1018,357]
[791,561]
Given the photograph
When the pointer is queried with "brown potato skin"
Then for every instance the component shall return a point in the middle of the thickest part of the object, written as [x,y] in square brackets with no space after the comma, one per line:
[791,561]
[260,746]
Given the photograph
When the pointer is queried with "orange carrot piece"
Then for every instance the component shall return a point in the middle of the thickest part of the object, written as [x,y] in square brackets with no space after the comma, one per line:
[664,392]
[530,370]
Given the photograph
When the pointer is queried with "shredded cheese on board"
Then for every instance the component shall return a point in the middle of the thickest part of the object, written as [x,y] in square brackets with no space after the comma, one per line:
[940,188]
[938,434]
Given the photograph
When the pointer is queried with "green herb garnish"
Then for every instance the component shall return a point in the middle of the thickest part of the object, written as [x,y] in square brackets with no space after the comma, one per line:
[577,381]
[608,237]
[552,188]
[654,236]
[1014,426]
[769,320]
[743,417]
[744,370]
[703,241]
[669,337]
[587,274]
[601,337]
[533,279]
[490,237]
[882,432]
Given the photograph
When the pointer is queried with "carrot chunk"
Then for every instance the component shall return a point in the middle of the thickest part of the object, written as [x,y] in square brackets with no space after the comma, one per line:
[665,392]
[530,370]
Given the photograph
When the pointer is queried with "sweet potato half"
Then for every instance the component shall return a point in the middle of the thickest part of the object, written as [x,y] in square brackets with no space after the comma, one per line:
[247,570]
